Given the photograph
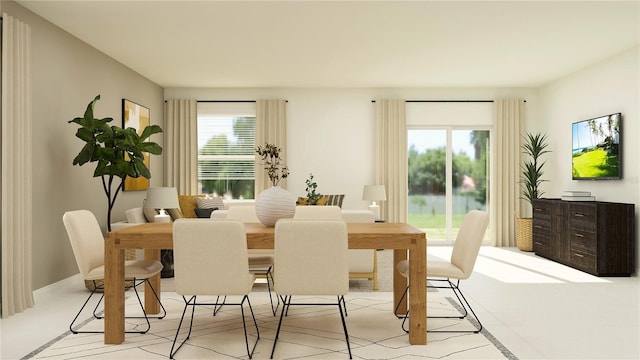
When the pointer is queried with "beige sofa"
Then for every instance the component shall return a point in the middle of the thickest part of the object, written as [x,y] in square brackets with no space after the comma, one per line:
[187,203]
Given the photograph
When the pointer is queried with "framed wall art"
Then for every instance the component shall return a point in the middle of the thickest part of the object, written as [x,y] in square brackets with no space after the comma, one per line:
[135,116]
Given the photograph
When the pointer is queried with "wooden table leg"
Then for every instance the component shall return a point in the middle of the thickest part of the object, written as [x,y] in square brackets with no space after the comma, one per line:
[113,292]
[151,305]
[418,293]
[399,282]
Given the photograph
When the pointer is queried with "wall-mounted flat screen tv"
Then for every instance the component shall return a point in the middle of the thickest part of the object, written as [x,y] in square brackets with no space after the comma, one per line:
[596,150]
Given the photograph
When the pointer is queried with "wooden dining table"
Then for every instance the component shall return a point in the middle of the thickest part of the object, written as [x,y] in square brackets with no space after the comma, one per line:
[404,239]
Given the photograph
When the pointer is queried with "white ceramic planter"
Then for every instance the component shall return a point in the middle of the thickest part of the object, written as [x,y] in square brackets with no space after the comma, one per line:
[273,204]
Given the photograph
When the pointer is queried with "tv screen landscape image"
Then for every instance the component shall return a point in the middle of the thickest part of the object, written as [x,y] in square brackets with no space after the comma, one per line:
[596,152]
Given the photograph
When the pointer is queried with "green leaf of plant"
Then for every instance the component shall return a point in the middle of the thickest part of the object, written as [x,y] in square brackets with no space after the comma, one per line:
[85,154]
[142,169]
[85,135]
[151,148]
[150,130]
[88,113]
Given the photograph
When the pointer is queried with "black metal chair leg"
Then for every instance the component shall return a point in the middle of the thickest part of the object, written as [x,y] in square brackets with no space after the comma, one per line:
[244,325]
[268,275]
[164,311]
[462,301]
[284,308]
[95,315]
[395,311]
[344,323]
[193,303]
[79,312]
[479,327]
[343,303]
[218,305]
[175,339]
[286,303]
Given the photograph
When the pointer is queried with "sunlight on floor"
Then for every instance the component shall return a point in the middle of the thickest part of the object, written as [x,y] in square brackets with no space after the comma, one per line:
[510,266]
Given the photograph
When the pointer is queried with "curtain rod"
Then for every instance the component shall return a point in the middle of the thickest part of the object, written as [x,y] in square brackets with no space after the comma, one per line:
[448,101]
[452,101]
[231,101]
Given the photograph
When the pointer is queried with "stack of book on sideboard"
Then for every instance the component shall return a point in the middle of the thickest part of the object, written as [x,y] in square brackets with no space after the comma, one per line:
[577,196]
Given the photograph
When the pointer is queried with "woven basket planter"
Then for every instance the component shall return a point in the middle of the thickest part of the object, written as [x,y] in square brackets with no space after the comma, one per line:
[524,233]
[129,254]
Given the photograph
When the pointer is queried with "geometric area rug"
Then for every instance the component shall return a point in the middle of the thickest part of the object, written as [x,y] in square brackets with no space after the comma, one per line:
[309,332]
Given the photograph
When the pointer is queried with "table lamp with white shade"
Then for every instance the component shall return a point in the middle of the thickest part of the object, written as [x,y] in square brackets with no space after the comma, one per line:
[162,198]
[374,193]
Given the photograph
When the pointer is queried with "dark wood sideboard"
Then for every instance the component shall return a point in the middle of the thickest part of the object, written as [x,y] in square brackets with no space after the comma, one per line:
[593,236]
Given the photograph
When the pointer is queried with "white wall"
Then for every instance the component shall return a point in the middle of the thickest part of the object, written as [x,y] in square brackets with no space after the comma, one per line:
[610,87]
[330,132]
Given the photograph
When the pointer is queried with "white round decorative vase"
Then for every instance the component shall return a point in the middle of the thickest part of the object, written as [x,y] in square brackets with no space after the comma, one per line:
[273,204]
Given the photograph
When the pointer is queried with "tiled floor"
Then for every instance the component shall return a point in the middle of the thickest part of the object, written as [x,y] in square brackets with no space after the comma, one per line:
[538,309]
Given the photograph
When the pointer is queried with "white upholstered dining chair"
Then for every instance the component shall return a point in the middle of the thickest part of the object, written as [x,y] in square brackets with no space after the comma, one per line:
[202,269]
[459,267]
[311,259]
[260,260]
[363,263]
[87,243]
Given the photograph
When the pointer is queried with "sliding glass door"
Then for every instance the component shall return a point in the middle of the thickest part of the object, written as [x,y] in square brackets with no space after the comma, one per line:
[447,177]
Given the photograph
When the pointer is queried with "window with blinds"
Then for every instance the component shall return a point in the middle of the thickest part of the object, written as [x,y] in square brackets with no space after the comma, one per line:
[226,148]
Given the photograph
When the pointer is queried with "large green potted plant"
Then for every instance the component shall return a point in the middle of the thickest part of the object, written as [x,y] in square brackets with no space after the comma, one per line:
[117,152]
[533,146]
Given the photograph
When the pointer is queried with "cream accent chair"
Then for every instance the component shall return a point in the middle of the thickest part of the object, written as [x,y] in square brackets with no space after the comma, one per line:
[260,260]
[460,267]
[311,257]
[362,263]
[87,243]
[201,269]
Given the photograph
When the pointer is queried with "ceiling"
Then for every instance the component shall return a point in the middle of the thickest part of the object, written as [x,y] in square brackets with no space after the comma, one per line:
[350,43]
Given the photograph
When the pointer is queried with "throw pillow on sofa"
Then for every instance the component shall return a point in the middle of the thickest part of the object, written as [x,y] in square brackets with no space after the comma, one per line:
[188,204]
[210,203]
[135,216]
[150,214]
[205,213]
[175,214]
[334,200]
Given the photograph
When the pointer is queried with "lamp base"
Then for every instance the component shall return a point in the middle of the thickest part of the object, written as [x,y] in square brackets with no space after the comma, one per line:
[162,218]
[376,211]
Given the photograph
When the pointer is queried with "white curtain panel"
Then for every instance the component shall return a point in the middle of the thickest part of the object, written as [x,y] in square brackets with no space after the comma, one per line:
[508,120]
[181,146]
[17,284]
[271,127]
[391,158]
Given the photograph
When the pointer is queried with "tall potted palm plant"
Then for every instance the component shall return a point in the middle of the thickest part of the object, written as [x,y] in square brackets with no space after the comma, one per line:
[533,146]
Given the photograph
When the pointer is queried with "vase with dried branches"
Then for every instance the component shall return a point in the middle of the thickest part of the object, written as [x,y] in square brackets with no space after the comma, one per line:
[275,202]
